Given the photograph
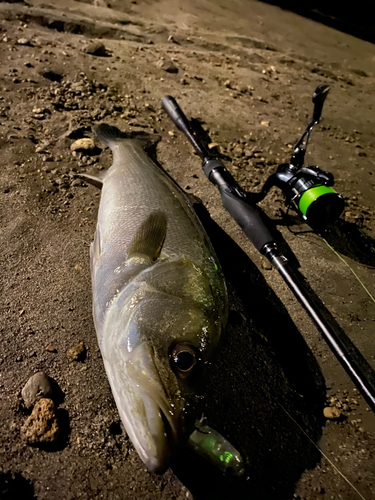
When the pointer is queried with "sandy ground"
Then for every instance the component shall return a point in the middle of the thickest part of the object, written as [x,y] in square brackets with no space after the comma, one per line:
[247,71]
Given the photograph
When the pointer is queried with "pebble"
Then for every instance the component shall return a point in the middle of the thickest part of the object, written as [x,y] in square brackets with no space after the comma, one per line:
[96,49]
[42,425]
[24,41]
[38,386]
[332,413]
[85,144]
[266,265]
[167,66]
[51,348]
[77,353]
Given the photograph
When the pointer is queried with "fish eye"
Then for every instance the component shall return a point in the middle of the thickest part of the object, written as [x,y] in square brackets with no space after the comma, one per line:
[183,358]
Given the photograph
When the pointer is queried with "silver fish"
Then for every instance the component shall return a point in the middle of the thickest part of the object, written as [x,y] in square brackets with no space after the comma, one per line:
[159,299]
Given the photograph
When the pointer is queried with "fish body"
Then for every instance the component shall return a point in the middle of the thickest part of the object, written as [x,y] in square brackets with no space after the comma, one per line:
[159,299]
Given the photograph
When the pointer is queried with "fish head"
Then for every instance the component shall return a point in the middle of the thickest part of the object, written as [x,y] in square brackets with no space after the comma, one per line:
[155,357]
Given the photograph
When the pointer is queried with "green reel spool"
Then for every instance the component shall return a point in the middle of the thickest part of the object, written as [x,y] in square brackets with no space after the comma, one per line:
[321,205]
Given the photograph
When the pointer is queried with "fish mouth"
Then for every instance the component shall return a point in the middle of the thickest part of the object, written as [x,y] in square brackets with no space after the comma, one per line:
[160,418]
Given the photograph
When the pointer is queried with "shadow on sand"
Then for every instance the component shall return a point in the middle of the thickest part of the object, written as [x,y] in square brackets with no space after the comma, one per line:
[345,237]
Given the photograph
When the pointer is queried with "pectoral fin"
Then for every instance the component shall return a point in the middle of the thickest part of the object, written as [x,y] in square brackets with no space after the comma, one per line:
[96,180]
[149,238]
[95,248]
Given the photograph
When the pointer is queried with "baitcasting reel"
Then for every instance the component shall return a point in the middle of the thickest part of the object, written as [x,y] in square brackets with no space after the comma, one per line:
[308,189]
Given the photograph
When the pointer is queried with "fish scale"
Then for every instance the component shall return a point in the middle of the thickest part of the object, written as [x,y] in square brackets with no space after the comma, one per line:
[135,179]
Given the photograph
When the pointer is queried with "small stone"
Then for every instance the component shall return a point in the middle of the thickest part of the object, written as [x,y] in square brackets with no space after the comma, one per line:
[265,123]
[213,145]
[51,348]
[38,386]
[96,49]
[77,353]
[24,41]
[38,111]
[171,39]
[332,413]
[167,66]
[227,84]
[359,72]
[85,144]
[266,265]
[42,425]
[150,107]
[77,267]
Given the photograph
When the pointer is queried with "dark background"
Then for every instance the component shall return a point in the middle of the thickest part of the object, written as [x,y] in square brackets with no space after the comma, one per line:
[355,18]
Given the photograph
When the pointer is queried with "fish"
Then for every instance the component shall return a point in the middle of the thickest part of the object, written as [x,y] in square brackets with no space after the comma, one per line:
[160,303]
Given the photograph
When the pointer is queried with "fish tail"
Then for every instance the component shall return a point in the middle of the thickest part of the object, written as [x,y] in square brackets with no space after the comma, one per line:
[109,134]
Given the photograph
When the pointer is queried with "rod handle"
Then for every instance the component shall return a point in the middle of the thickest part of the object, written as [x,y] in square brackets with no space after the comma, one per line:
[249,217]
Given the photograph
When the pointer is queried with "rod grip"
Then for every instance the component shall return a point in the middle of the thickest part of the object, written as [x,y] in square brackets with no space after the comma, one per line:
[249,217]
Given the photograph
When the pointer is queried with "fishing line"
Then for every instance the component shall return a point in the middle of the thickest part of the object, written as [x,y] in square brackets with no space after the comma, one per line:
[352,270]
[309,231]
[317,447]
[336,253]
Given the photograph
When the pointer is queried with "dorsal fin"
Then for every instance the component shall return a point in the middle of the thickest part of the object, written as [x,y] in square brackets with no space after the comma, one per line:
[150,236]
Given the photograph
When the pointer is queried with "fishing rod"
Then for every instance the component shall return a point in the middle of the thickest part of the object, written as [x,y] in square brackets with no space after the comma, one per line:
[308,191]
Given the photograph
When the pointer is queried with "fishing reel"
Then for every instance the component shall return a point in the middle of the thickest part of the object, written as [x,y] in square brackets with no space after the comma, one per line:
[308,190]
